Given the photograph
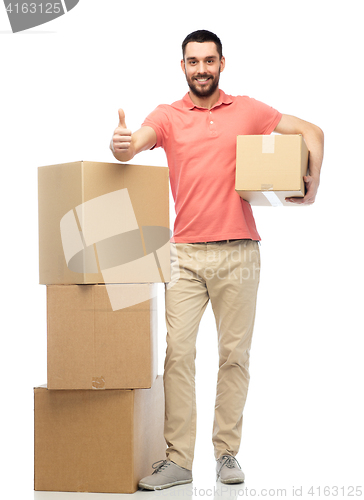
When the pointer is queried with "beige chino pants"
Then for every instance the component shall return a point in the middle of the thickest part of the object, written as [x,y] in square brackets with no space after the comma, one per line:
[227,273]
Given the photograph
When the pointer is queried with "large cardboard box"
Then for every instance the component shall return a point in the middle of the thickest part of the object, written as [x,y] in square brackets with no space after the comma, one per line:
[99,442]
[92,346]
[103,223]
[270,168]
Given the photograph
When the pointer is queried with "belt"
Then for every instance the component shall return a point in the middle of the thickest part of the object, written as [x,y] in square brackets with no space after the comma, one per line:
[219,241]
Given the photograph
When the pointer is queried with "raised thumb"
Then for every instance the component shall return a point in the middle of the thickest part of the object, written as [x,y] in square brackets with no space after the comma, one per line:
[122,118]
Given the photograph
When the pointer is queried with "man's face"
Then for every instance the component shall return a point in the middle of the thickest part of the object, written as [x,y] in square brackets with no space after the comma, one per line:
[202,67]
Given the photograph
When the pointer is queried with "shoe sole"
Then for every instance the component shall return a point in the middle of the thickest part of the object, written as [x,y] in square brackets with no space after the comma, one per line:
[163,486]
[232,480]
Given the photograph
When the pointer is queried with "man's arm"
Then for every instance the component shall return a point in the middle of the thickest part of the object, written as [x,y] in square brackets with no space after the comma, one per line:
[125,145]
[314,138]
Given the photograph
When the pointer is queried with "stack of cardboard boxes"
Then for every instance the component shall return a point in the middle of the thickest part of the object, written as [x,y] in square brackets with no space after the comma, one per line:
[103,244]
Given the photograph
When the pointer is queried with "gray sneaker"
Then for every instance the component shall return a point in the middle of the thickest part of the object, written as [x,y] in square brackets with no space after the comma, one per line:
[165,475]
[229,470]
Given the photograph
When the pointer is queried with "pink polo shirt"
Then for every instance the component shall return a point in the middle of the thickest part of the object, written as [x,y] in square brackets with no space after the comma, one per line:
[200,145]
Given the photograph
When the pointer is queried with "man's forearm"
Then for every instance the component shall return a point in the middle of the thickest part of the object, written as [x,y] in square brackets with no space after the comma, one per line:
[314,138]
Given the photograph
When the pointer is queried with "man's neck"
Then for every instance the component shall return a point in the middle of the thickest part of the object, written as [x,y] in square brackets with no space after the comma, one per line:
[205,102]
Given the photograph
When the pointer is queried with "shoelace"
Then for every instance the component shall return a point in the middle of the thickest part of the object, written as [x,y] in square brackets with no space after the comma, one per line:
[159,466]
[230,462]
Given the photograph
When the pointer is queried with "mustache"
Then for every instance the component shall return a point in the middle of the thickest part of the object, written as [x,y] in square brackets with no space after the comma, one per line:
[202,76]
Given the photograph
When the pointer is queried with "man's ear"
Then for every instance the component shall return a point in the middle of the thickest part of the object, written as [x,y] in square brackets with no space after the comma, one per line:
[183,66]
[222,64]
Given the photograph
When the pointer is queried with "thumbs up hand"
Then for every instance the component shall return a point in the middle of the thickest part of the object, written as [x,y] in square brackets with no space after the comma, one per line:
[122,118]
[121,140]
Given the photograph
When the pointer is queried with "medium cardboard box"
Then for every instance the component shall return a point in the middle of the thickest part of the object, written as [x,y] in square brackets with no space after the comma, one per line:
[270,168]
[98,442]
[92,346]
[103,223]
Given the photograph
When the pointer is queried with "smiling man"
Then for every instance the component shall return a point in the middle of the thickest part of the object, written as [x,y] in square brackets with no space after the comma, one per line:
[202,67]
[214,248]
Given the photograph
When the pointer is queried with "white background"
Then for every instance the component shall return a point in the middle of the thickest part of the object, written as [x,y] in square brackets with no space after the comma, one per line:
[61,86]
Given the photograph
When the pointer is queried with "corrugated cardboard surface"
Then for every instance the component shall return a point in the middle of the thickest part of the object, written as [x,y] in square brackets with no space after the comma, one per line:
[90,346]
[99,442]
[273,164]
[67,190]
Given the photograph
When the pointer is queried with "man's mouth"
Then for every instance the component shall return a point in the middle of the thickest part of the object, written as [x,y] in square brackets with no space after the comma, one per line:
[202,79]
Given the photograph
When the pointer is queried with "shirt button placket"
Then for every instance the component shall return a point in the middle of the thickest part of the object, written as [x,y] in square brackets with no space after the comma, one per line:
[212,124]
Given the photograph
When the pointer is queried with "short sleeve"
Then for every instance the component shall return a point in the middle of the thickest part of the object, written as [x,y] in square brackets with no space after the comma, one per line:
[159,121]
[266,118]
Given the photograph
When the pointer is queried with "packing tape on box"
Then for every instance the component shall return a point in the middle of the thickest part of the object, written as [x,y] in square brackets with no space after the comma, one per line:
[273,198]
[268,143]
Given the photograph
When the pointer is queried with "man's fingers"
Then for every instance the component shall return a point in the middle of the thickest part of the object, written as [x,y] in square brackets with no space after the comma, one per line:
[121,142]
[121,132]
[301,201]
[121,139]
[121,145]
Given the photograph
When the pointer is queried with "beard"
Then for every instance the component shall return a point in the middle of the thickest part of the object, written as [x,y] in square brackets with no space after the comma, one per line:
[203,90]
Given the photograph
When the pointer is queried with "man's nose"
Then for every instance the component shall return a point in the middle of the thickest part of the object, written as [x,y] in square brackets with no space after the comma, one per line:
[201,67]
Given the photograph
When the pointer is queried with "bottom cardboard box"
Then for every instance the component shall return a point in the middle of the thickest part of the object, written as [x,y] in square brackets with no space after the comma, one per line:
[97,441]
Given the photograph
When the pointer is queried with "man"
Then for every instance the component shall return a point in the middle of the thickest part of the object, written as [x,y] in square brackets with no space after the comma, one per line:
[214,249]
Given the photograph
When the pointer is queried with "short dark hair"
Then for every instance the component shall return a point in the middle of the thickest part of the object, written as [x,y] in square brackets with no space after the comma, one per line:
[202,36]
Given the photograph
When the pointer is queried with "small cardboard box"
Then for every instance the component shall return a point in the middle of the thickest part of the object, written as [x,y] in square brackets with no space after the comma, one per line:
[92,346]
[270,168]
[97,442]
[103,223]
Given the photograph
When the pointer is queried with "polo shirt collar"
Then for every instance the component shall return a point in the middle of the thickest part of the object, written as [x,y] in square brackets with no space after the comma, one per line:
[223,99]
